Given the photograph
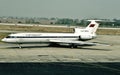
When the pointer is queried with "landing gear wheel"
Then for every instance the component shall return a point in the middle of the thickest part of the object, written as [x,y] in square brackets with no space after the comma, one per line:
[54,44]
[73,46]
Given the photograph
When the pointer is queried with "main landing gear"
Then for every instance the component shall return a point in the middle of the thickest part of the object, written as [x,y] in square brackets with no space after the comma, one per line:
[73,46]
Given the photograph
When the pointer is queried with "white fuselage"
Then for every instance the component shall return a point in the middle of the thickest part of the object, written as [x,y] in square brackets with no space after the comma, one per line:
[78,35]
[41,37]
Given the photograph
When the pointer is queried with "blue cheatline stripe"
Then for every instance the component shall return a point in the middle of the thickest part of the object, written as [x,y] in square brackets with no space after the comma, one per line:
[42,37]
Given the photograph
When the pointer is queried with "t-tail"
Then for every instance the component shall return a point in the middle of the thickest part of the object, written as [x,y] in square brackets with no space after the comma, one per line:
[91,28]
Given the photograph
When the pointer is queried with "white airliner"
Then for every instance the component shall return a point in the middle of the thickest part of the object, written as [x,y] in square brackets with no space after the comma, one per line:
[75,39]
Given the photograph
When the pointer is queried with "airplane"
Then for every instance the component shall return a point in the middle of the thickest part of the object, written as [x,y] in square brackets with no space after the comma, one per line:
[78,38]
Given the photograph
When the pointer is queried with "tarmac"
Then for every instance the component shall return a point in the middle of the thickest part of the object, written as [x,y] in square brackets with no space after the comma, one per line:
[45,53]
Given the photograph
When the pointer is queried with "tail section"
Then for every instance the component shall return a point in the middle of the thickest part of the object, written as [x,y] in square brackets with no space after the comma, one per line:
[91,28]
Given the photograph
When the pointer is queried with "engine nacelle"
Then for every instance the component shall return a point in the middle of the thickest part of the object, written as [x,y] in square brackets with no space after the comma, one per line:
[85,37]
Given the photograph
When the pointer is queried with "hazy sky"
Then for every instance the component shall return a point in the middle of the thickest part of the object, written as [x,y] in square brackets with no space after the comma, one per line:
[61,8]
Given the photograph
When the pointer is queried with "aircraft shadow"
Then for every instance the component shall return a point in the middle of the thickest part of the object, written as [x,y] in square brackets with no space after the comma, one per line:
[94,49]
[58,46]
[24,47]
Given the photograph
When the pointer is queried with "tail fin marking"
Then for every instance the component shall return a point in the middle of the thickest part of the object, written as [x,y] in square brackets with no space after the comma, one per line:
[91,28]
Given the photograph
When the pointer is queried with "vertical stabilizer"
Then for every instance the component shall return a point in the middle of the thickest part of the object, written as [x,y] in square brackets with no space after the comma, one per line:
[93,26]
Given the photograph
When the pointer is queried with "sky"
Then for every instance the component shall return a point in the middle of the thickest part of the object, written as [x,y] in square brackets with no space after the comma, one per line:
[80,9]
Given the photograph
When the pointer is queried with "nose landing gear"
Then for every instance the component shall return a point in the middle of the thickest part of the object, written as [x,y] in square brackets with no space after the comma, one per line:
[19,46]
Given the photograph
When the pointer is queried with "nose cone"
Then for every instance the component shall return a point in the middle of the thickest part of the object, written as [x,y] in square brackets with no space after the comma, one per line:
[3,40]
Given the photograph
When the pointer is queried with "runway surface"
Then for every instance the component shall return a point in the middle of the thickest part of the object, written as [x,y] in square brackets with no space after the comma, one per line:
[64,26]
[45,53]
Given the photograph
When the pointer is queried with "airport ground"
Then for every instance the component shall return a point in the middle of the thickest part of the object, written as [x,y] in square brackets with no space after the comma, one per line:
[43,59]
[46,53]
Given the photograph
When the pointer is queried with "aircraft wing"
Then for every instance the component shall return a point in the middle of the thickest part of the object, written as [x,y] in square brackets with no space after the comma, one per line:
[78,43]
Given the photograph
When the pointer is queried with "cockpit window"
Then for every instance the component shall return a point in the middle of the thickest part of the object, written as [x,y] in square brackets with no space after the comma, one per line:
[8,37]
